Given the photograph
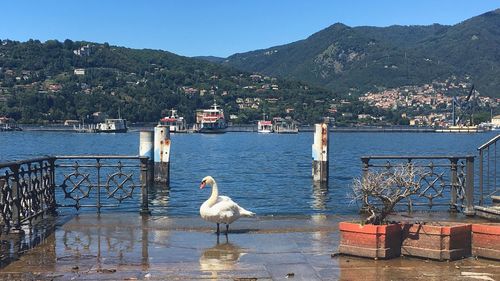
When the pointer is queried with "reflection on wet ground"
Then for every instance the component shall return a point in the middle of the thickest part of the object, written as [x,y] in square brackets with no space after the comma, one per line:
[132,247]
[13,245]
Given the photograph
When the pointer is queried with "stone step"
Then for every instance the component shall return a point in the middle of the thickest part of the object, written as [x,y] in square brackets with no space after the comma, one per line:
[491,213]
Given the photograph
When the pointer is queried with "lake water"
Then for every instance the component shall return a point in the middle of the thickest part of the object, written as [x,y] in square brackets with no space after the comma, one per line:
[268,174]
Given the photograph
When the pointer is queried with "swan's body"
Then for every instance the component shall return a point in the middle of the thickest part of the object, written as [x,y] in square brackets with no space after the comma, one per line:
[220,209]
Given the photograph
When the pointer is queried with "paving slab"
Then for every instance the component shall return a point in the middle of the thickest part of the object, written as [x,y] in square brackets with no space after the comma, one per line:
[128,246]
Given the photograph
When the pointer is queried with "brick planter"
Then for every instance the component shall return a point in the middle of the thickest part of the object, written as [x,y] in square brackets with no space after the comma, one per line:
[372,241]
[439,241]
[486,240]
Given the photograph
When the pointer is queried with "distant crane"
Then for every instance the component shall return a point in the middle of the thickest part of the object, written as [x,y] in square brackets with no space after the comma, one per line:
[465,107]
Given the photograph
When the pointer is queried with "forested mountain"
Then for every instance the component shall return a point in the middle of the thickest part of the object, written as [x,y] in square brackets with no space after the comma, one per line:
[54,81]
[359,59]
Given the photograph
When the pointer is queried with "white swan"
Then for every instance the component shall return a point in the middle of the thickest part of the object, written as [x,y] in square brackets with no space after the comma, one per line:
[220,209]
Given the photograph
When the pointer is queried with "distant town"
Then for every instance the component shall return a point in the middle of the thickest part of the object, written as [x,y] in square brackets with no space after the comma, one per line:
[436,99]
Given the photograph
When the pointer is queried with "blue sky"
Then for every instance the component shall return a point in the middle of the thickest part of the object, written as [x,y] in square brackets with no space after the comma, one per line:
[216,27]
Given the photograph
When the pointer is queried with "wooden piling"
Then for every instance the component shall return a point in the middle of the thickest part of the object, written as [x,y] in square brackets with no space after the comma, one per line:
[162,155]
[320,154]
[146,149]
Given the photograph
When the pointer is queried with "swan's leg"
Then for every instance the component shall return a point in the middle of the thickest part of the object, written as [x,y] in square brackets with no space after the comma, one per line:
[227,228]
[218,231]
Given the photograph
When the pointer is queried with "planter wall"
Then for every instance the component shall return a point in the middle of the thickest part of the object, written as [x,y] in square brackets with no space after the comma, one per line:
[486,240]
[373,241]
[436,241]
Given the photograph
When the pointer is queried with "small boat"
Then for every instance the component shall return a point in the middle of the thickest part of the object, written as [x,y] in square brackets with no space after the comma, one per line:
[112,126]
[175,123]
[8,125]
[9,128]
[108,126]
[285,125]
[461,129]
[264,126]
[211,121]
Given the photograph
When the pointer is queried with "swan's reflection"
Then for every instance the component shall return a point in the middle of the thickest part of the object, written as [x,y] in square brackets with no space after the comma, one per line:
[221,257]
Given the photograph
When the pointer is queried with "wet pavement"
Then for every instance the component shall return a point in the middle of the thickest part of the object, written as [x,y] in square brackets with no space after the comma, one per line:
[132,247]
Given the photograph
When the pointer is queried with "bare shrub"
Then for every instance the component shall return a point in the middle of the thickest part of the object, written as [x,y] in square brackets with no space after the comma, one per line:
[379,192]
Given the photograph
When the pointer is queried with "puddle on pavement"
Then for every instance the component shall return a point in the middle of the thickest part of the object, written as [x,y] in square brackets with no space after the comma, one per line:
[15,245]
[131,246]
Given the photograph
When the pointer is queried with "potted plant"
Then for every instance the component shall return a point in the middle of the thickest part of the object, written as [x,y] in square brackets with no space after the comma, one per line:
[379,193]
[486,240]
[436,240]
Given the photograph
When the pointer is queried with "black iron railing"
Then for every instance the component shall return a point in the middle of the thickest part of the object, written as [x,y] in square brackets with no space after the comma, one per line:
[34,187]
[26,191]
[488,177]
[101,181]
[444,180]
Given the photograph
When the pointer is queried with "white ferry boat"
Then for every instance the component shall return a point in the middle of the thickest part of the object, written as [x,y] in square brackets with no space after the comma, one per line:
[108,126]
[264,127]
[211,121]
[112,126]
[175,123]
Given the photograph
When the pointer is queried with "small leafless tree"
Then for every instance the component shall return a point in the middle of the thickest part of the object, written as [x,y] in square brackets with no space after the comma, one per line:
[381,191]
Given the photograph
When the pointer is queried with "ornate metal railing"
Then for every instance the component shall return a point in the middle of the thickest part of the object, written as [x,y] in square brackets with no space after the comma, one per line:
[26,191]
[34,187]
[102,181]
[444,180]
[488,165]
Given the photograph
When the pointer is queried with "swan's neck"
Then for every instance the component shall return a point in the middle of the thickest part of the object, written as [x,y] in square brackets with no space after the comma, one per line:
[215,193]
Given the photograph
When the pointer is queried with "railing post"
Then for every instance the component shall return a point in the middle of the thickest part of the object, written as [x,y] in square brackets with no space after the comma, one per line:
[365,166]
[98,166]
[16,202]
[454,184]
[365,169]
[144,185]
[481,177]
[52,179]
[469,186]
[3,201]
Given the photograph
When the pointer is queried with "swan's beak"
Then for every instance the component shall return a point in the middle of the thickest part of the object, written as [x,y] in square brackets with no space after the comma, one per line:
[203,184]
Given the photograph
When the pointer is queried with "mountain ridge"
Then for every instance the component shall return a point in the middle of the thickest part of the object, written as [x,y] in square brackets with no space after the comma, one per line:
[54,81]
[363,58]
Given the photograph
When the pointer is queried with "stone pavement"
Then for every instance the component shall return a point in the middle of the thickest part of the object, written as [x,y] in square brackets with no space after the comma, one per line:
[125,246]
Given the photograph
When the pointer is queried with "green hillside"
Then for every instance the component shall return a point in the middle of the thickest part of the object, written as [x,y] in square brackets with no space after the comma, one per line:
[358,59]
[54,81]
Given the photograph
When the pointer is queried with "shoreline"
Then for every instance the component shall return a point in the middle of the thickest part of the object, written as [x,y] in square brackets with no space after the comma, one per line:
[253,129]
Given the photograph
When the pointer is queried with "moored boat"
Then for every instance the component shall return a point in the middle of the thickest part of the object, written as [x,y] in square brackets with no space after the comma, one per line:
[462,129]
[264,127]
[285,125]
[8,125]
[175,123]
[9,128]
[112,126]
[211,121]
[108,126]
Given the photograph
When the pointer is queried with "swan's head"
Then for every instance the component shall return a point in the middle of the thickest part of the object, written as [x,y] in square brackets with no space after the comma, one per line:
[208,180]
